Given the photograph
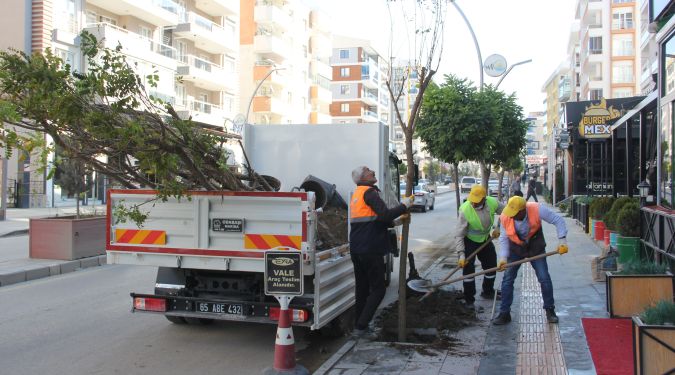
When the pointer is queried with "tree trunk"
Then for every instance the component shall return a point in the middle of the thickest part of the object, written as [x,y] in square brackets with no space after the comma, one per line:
[77,203]
[485,174]
[500,178]
[455,172]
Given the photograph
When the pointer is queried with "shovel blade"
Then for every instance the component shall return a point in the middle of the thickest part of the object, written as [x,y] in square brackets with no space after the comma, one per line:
[420,285]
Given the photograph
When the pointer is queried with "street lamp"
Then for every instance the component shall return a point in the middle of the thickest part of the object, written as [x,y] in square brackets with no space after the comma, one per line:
[509,69]
[475,42]
[643,188]
[248,110]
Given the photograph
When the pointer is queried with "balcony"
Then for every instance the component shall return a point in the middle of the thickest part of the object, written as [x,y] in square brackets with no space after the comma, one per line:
[370,116]
[369,98]
[219,7]
[134,44]
[272,15]
[201,112]
[270,47]
[564,89]
[205,74]
[157,12]
[207,35]
[318,93]
[260,71]
[268,104]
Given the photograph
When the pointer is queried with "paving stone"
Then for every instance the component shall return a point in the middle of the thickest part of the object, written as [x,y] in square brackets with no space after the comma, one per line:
[422,368]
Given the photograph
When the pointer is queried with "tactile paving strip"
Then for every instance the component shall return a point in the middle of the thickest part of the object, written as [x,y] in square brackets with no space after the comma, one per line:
[539,348]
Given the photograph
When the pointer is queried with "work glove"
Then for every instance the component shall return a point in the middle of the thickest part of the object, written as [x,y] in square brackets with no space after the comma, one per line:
[405,218]
[495,233]
[501,264]
[408,201]
[562,246]
[461,263]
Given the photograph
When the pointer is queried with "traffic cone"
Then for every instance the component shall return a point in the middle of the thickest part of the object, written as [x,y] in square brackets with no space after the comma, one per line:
[284,349]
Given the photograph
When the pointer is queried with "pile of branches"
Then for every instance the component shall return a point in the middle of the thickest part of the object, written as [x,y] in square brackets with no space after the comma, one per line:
[106,119]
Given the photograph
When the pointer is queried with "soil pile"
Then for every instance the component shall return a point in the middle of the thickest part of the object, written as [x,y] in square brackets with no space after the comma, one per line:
[430,321]
[331,227]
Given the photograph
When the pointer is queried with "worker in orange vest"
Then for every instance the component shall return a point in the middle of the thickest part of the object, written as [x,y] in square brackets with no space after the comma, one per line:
[370,220]
[522,237]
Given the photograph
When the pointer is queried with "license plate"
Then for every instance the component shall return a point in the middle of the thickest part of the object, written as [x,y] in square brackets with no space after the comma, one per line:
[219,308]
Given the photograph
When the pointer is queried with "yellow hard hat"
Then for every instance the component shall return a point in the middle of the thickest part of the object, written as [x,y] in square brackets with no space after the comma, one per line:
[515,205]
[477,194]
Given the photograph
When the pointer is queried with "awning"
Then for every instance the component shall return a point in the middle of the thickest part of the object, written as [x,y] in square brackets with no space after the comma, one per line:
[645,102]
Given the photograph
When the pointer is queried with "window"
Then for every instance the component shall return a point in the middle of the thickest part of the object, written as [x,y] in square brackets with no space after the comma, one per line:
[622,18]
[344,107]
[622,93]
[622,45]
[345,89]
[91,18]
[146,32]
[344,72]
[595,45]
[104,19]
[595,94]
[344,53]
[65,56]
[622,72]
[596,72]
[668,66]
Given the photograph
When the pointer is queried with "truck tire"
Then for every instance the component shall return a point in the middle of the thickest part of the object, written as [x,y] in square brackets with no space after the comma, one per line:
[176,319]
[340,326]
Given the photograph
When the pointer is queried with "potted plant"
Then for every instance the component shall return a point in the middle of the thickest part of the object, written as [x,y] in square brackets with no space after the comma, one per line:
[654,339]
[68,237]
[628,223]
[637,286]
[598,210]
[610,218]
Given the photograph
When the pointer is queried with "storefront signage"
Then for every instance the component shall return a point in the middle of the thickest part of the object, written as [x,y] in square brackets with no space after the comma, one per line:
[596,121]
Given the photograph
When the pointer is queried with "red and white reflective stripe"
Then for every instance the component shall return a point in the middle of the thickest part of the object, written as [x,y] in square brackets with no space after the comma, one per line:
[284,336]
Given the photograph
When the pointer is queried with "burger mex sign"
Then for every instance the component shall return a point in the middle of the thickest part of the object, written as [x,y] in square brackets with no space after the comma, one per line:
[596,120]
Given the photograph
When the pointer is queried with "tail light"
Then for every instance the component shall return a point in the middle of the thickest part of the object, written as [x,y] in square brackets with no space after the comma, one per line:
[419,194]
[150,304]
[297,315]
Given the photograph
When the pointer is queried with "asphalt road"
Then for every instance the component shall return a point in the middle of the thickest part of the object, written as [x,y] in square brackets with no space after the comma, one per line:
[80,322]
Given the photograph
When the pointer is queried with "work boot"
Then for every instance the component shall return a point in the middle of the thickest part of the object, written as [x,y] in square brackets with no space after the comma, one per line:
[472,306]
[551,317]
[491,295]
[501,319]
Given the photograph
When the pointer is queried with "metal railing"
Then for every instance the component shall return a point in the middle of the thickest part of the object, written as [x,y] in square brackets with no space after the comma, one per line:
[159,48]
[168,5]
[658,234]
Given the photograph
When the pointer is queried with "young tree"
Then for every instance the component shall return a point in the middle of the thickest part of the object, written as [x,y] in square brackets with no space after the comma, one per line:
[104,118]
[423,20]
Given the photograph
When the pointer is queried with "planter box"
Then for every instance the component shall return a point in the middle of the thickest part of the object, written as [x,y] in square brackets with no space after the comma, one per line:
[629,295]
[66,238]
[628,248]
[653,348]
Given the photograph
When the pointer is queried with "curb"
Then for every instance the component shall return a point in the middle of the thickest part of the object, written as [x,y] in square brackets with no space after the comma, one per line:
[51,270]
[326,366]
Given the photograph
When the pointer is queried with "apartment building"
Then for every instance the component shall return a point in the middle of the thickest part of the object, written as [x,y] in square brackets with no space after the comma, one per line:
[192,45]
[284,49]
[358,82]
[606,50]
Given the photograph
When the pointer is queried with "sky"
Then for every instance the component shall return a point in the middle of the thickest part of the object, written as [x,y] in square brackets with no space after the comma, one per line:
[516,29]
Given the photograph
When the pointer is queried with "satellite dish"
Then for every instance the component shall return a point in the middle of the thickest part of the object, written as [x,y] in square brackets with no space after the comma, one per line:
[239,122]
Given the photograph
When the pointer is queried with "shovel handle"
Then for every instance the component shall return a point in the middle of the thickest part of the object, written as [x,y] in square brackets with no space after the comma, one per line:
[481,247]
[493,269]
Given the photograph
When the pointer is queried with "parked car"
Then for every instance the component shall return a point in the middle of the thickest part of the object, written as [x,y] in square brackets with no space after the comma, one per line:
[447,181]
[424,199]
[427,185]
[466,183]
[493,188]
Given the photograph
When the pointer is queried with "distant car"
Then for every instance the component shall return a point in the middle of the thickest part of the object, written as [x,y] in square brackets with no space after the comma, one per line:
[493,188]
[424,199]
[447,181]
[466,183]
[427,185]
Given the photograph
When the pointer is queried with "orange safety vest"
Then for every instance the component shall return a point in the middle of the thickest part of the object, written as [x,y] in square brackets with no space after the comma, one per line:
[360,211]
[508,223]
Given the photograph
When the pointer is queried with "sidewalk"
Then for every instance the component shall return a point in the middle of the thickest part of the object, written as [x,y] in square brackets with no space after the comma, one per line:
[15,264]
[528,345]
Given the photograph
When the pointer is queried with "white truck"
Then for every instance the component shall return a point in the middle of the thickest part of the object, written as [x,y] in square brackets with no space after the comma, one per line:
[209,249]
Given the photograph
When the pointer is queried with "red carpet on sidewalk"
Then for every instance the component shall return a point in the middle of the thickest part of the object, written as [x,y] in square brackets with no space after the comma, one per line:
[610,342]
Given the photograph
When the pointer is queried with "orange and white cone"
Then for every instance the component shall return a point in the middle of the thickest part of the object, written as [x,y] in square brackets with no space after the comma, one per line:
[284,347]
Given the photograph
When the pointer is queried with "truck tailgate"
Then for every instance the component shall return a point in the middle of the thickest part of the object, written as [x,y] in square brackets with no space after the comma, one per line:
[223,230]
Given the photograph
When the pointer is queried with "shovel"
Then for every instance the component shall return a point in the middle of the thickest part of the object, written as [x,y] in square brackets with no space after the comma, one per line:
[421,287]
[415,284]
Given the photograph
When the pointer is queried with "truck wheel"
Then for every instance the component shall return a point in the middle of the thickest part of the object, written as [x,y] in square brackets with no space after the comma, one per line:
[176,319]
[199,321]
